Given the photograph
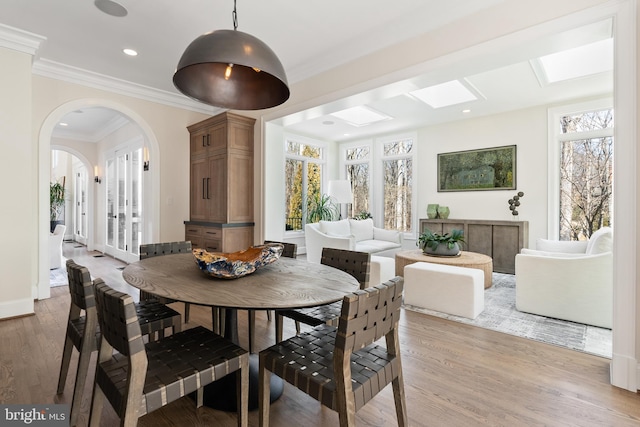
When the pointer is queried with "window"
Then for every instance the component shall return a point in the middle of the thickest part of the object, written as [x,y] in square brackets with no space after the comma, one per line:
[381,176]
[303,180]
[397,167]
[583,145]
[358,165]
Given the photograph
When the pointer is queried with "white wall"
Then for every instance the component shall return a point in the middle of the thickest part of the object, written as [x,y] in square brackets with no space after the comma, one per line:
[527,129]
[19,251]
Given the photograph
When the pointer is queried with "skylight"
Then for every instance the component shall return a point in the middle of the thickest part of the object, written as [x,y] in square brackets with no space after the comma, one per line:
[445,94]
[581,61]
[360,116]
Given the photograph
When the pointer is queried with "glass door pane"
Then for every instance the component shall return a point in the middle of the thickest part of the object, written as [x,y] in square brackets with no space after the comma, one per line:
[110,178]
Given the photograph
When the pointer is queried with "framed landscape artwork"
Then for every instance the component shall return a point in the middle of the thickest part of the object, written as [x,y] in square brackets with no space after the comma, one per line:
[483,169]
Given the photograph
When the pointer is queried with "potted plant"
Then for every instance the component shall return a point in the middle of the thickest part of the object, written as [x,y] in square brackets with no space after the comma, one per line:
[363,215]
[441,244]
[321,207]
[56,200]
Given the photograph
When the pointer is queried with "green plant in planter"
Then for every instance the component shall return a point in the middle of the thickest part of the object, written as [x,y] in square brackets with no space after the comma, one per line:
[433,240]
[363,215]
[56,199]
[320,207]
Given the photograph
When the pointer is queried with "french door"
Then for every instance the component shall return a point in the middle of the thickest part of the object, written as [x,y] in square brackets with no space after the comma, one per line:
[123,174]
[80,208]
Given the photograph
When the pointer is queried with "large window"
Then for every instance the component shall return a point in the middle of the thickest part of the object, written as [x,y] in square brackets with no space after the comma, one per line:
[381,176]
[358,166]
[584,150]
[303,180]
[397,175]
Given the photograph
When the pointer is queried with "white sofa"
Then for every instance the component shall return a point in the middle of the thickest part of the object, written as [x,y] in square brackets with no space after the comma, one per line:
[568,280]
[350,234]
[55,247]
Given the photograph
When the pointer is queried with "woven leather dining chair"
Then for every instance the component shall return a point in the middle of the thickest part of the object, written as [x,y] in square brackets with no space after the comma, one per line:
[290,250]
[355,263]
[138,378]
[341,367]
[153,317]
[158,249]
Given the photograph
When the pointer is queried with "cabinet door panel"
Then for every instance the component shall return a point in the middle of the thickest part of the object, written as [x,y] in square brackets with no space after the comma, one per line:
[241,204]
[479,239]
[432,225]
[217,196]
[506,243]
[198,205]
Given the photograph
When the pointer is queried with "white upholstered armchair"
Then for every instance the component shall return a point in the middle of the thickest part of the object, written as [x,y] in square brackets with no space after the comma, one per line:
[55,247]
[568,280]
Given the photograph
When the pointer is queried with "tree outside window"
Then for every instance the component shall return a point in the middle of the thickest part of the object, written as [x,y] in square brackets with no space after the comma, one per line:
[586,173]
[303,181]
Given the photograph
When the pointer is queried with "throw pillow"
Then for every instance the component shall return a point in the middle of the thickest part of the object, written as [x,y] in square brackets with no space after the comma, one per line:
[336,228]
[601,241]
[362,229]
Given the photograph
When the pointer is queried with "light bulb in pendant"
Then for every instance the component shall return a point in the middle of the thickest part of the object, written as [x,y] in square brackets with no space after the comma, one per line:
[227,72]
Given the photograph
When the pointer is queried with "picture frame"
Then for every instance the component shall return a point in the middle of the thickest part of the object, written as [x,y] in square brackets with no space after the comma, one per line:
[478,170]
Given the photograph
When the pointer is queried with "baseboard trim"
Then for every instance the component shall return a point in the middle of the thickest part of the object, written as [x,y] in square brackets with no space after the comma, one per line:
[624,371]
[16,308]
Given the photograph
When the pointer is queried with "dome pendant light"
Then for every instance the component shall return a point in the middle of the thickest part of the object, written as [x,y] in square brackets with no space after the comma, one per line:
[232,69]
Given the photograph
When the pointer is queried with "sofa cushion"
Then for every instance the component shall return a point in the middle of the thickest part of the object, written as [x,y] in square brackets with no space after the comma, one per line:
[564,246]
[373,246]
[601,241]
[388,235]
[362,229]
[336,228]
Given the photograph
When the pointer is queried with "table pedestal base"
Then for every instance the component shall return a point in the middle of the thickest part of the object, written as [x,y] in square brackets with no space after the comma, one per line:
[221,394]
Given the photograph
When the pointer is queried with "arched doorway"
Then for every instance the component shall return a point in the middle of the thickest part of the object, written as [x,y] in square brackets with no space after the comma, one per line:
[95,193]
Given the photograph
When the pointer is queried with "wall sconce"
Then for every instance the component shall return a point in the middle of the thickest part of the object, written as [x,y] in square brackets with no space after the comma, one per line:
[145,154]
[96,176]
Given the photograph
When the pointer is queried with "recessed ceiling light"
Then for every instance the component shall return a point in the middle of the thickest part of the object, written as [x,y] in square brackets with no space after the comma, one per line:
[130,52]
[466,111]
[360,116]
[63,124]
[444,94]
[328,122]
[111,8]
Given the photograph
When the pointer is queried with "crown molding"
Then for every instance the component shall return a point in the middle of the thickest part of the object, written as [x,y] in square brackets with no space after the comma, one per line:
[20,40]
[58,71]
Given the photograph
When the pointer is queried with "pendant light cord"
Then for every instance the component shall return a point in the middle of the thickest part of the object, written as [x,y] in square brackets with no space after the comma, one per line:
[234,14]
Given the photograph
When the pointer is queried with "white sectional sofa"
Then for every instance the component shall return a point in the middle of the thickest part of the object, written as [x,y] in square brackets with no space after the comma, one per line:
[568,280]
[350,234]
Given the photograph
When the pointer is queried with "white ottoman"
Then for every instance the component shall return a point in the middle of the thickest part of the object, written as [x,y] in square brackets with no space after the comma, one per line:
[445,288]
[381,269]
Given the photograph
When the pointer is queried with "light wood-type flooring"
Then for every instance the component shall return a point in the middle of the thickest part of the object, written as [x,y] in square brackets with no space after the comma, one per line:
[455,375]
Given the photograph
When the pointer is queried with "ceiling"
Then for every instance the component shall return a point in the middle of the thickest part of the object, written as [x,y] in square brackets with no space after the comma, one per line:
[84,44]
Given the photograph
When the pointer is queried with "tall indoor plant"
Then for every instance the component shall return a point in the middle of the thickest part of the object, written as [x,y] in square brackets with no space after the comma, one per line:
[56,200]
[320,207]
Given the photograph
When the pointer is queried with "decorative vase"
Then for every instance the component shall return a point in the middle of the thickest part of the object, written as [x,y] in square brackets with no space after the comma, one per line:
[432,211]
[443,212]
[442,250]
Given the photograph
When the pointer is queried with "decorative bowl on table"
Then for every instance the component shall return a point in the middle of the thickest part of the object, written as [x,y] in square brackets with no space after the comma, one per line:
[237,264]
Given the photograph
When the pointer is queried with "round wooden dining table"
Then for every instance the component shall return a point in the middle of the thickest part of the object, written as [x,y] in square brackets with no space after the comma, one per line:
[287,283]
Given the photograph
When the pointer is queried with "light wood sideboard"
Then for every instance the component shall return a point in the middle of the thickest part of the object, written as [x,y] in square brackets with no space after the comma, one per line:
[501,240]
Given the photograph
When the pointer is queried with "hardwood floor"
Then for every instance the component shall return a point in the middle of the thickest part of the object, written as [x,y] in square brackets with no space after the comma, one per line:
[455,374]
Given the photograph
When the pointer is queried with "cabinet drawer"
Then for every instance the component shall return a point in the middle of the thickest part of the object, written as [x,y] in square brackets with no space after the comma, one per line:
[210,232]
[213,245]
[193,230]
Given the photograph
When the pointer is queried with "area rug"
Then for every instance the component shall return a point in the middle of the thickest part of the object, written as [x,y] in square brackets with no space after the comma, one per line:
[58,277]
[500,315]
